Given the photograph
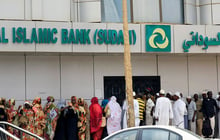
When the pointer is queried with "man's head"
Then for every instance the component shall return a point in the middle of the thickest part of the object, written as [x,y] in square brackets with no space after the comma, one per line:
[134,94]
[176,96]
[209,94]
[188,99]
[204,94]
[162,92]
[169,95]
[196,97]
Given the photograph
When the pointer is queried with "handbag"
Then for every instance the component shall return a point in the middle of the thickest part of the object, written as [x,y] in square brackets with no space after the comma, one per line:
[108,113]
[103,122]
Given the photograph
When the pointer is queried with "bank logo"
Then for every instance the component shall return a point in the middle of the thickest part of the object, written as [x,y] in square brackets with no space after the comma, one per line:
[158,38]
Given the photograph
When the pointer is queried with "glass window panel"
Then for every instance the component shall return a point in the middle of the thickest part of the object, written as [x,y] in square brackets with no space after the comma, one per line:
[112,11]
[146,11]
[128,135]
[155,134]
[174,136]
[172,11]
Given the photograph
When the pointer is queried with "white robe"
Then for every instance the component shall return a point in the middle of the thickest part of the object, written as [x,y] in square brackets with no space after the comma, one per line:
[114,121]
[163,111]
[149,105]
[136,113]
[179,109]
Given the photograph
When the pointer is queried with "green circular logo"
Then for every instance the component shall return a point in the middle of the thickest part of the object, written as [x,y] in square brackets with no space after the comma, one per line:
[153,40]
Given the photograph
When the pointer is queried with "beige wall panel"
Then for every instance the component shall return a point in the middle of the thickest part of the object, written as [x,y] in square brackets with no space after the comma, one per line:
[12,9]
[43,76]
[173,73]
[12,73]
[144,65]
[77,76]
[202,73]
[106,66]
[56,10]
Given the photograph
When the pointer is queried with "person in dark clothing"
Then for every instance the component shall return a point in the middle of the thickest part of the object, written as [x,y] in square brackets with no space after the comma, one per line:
[209,109]
[71,123]
[61,126]
[3,117]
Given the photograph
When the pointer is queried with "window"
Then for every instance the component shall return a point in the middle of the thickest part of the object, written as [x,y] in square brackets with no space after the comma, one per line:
[111,10]
[159,134]
[128,135]
[164,11]
[172,11]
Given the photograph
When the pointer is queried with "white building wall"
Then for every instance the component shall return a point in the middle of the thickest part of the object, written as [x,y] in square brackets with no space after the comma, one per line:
[12,73]
[173,73]
[42,76]
[202,73]
[77,76]
[106,66]
[144,65]
[12,9]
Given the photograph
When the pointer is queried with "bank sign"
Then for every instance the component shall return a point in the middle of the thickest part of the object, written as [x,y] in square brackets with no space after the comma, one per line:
[158,38]
[68,36]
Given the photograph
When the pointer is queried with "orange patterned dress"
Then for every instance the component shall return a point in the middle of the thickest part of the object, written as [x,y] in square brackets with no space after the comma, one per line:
[29,114]
[39,117]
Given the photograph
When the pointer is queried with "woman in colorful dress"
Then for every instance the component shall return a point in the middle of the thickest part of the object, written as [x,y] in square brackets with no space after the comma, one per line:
[95,119]
[11,112]
[27,120]
[81,120]
[114,121]
[39,118]
[51,116]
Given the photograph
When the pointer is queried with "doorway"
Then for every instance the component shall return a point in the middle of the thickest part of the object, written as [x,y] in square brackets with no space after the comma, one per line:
[115,86]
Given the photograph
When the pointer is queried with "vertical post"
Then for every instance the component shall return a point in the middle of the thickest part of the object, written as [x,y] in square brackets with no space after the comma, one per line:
[127,67]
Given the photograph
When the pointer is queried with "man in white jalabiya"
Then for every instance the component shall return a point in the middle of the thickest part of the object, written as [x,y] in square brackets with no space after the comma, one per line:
[163,110]
[149,110]
[191,110]
[179,109]
[136,112]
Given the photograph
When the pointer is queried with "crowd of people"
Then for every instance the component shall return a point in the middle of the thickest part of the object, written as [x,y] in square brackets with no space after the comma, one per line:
[76,120]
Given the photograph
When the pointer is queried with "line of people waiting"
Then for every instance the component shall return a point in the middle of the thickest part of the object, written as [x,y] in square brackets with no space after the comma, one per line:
[76,120]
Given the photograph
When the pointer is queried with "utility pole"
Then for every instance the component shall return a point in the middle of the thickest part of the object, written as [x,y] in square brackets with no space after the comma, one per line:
[127,67]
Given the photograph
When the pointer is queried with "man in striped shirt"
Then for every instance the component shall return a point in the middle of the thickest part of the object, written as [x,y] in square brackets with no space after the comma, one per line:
[141,108]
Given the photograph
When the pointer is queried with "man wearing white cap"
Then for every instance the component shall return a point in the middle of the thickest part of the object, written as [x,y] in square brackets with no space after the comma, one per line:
[179,109]
[191,110]
[163,109]
[136,112]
